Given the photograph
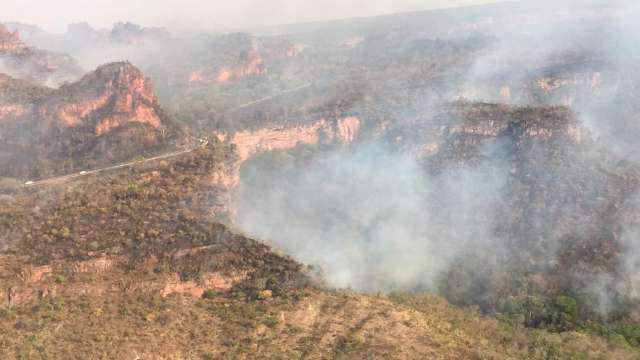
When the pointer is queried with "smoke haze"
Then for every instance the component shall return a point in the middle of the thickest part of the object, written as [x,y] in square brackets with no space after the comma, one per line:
[369,216]
[217,14]
[374,220]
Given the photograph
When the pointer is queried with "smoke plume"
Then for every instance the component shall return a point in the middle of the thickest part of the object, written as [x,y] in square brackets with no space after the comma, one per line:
[368,216]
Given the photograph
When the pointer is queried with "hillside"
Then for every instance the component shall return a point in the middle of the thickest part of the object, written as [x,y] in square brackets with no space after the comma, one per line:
[452,184]
[520,203]
[106,267]
[110,115]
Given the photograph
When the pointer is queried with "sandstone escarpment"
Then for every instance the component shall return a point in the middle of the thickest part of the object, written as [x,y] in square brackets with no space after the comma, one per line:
[112,96]
[473,124]
[18,98]
[250,142]
[570,80]
[10,41]
[110,115]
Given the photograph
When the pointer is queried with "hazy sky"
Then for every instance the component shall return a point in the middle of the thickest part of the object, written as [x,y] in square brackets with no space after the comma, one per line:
[54,15]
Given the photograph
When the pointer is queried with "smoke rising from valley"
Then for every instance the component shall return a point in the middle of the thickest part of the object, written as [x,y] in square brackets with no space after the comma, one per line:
[374,219]
[500,202]
[455,183]
[370,217]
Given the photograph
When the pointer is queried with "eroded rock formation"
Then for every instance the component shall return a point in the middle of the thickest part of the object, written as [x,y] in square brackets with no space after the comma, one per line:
[10,41]
[109,115]
[250,142]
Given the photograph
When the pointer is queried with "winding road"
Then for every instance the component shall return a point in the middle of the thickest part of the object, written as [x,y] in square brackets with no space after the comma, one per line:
[267,98]
[203,143]
[81,174]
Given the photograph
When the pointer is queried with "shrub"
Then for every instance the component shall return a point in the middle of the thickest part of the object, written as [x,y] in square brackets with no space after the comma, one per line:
[209,294]
[631,333]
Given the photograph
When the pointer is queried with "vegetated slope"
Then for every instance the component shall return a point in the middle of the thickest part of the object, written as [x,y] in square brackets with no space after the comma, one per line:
[561,225]
[553,248]
[40,66]
[216,74]
[110,115]
[133,265]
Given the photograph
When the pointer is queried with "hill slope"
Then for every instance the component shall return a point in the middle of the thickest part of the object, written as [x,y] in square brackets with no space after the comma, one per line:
[134,266]
[110,115]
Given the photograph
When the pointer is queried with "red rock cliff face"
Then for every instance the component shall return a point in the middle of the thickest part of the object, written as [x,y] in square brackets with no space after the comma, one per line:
[10,41]
[18,99]
[473,123]
[113,96]
[110,115]
[250,142]
[564,88]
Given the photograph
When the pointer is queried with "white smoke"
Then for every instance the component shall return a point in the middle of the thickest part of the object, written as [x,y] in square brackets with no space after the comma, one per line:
[370,217]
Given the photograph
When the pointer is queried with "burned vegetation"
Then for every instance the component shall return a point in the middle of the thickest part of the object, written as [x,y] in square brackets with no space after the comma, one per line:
[478,196]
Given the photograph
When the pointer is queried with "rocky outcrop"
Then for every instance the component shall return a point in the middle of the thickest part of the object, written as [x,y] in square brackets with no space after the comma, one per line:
[473,123]
[113,96]
[10,41]
[576,81]
[295,49]
[109,115]
[250,142]
[251,65]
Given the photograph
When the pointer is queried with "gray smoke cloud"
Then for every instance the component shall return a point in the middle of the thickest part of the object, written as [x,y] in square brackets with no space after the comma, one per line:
[595,42]
[374,220]
[598,48]
[370,217]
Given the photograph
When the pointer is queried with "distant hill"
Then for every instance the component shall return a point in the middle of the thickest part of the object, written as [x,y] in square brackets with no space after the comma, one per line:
[41,66]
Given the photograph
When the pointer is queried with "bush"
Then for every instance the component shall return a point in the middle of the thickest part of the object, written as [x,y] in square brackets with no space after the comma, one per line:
[558,314]
[209,294]
[631,332]
[564,314]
